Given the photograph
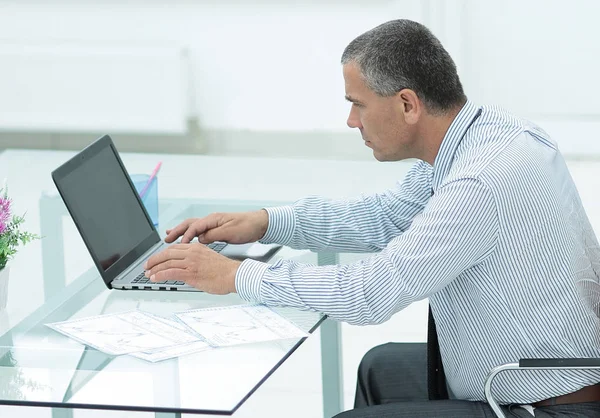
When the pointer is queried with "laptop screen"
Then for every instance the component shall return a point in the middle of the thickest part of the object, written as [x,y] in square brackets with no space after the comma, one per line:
[105,208]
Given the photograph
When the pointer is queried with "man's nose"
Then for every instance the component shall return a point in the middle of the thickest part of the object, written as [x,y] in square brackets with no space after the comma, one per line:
[353,119]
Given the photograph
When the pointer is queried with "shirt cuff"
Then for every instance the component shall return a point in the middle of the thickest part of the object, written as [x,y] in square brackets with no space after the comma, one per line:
[282,223]
[248,279]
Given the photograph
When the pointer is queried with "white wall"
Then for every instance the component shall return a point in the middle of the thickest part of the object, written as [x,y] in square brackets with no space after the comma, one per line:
[263,65]
[272,65]
[540,59]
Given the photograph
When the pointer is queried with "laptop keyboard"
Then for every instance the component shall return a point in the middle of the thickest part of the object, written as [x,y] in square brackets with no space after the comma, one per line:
[217,246]
[141,279]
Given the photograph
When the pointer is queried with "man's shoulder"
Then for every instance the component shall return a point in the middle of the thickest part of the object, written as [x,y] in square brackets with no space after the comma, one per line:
[490,147]
[497,124]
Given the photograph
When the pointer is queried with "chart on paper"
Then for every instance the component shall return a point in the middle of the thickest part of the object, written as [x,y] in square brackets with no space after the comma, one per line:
[112,334]
[242,324]
[132,332]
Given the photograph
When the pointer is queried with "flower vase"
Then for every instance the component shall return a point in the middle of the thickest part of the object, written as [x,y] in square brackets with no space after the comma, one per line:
[4,287]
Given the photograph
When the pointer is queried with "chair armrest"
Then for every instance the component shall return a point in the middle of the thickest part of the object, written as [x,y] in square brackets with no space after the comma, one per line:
[536,364]
[559,362]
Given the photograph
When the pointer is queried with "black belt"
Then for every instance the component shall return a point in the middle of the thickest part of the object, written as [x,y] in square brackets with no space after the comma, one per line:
[585,394]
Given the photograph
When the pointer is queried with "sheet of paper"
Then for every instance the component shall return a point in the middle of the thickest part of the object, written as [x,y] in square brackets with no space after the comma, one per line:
[240,324]
[164,327]
[123,333]
[178,350]
[172,352]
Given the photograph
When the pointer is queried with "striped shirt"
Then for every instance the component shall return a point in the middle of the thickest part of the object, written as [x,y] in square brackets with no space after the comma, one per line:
[494,234]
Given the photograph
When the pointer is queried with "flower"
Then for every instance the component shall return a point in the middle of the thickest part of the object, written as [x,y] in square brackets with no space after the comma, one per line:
[4,213]
[10,236]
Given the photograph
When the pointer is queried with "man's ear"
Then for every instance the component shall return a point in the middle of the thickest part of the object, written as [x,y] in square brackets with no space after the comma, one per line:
[409,106]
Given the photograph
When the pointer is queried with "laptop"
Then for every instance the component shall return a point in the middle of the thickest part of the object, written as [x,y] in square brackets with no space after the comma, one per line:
[113,222]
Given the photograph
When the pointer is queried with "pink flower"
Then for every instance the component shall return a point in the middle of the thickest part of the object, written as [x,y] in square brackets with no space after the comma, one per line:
[4,213]
[4,205]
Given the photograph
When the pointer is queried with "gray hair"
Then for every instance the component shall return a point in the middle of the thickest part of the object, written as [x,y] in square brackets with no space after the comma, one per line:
[402,54]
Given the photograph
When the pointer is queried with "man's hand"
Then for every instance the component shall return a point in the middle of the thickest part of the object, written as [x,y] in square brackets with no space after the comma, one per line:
[234,228]
[196,265]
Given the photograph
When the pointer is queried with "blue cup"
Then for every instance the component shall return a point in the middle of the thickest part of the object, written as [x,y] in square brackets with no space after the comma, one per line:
[150,198]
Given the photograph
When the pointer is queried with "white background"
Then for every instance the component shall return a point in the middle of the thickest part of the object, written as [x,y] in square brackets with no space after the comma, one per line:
[267,65]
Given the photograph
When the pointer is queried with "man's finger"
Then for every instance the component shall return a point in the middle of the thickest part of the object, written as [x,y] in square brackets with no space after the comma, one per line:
[180,246]
[176,232]
[175,252]
[176,274]
[201,226]
[169,264]
[193,231]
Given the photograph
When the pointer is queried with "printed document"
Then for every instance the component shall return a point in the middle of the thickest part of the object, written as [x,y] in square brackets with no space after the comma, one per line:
[124,333]
[154,338]
[240,324]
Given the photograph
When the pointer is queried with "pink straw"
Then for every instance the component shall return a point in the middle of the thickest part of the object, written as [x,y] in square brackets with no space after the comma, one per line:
[147,185]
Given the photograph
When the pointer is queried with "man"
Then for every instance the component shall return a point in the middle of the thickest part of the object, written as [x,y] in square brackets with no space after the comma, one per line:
[487,224]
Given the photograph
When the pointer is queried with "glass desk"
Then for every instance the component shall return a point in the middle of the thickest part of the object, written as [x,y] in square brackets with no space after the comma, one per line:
[40,367]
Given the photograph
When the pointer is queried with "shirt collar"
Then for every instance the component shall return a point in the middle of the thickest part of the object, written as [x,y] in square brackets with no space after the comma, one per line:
[459,126]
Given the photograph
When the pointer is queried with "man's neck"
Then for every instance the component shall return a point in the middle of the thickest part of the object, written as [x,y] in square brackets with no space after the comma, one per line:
[434,129]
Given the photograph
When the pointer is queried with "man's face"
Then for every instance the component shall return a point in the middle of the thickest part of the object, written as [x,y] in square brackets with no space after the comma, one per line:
[380,120]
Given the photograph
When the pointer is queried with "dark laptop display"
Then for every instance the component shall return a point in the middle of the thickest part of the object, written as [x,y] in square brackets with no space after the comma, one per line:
[105,207]
[113,222]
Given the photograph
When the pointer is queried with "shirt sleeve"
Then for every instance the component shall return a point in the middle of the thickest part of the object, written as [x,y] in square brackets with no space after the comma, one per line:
[365,224]
[457,230]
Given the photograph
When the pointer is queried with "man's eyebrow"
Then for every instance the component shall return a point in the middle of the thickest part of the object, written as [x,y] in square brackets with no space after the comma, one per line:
[352,99]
